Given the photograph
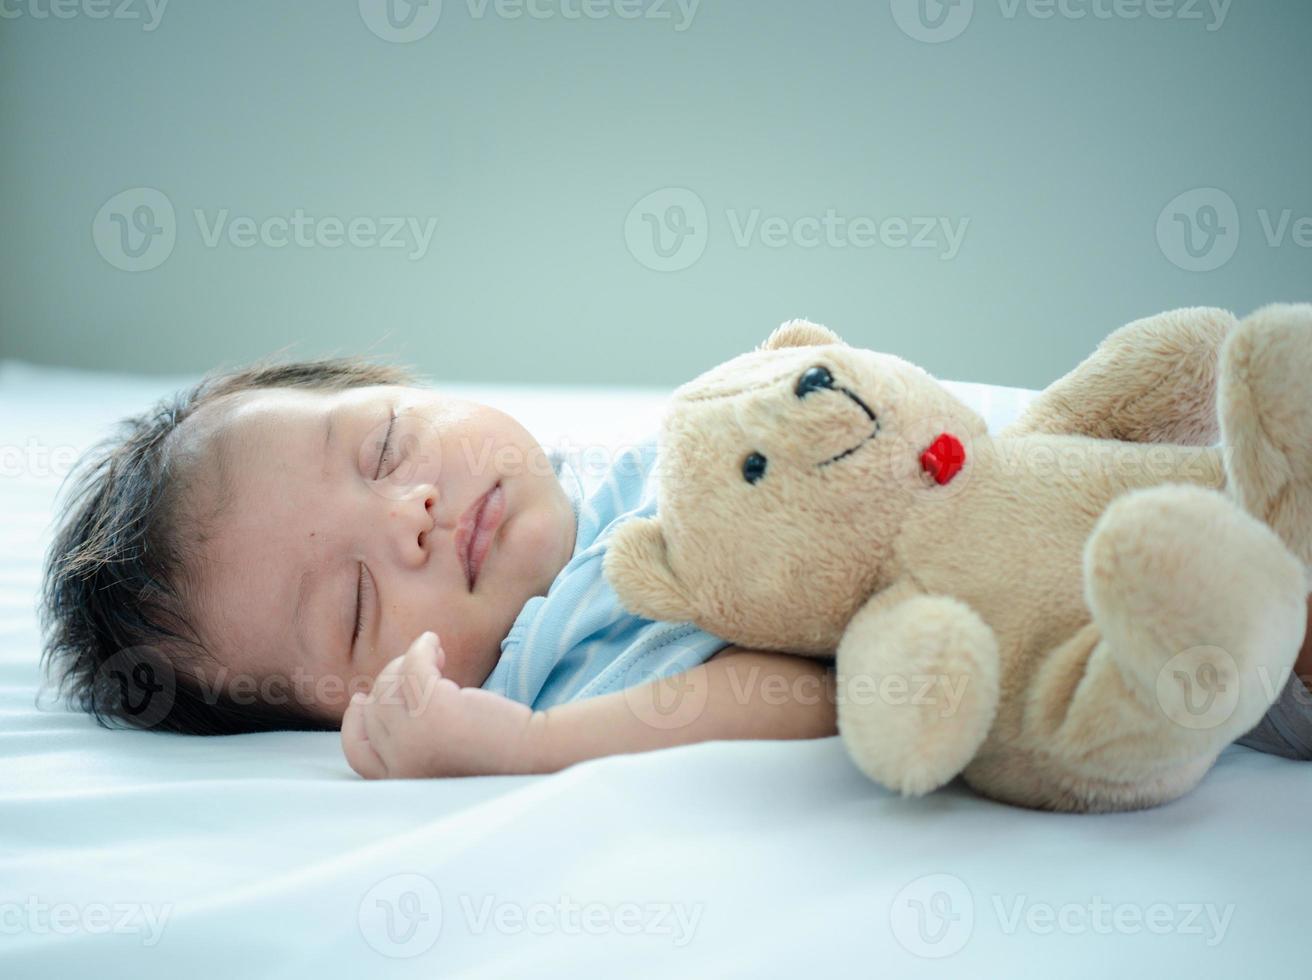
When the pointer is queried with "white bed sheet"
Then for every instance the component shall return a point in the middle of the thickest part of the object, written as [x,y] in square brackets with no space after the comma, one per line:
[128,854]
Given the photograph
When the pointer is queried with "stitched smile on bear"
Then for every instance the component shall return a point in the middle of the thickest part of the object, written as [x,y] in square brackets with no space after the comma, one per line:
[820,377]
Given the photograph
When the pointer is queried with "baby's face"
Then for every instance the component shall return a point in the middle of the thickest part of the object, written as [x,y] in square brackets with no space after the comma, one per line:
[322,519]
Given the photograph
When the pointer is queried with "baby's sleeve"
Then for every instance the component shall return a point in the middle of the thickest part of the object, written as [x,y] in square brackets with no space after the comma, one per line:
[1286,729]
[648,650]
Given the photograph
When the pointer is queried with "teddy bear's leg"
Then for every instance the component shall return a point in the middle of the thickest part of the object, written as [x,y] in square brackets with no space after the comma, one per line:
[1198,613]
[1266,420]
[1153,380]
[917,688]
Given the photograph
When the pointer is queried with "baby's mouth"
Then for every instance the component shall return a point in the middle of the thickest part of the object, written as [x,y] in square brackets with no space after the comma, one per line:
[477,527]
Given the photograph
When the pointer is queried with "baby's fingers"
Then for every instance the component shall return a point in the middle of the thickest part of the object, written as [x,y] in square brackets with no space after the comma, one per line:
[421,669]
[424,654]
[356,746]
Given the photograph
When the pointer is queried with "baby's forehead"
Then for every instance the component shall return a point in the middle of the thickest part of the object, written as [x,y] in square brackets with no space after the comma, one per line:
[234,447]
[242,489]
[242,428]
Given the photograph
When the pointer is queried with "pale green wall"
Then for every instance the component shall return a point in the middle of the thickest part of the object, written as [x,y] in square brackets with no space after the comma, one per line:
[529,140]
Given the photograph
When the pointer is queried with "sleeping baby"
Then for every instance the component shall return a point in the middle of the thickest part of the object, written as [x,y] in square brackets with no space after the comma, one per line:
[256,550]
[326,544]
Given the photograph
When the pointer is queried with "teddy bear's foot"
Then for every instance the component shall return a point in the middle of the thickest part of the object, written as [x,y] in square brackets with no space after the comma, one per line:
[1198,614]
[1202,609]
[917,688]
[1266,420]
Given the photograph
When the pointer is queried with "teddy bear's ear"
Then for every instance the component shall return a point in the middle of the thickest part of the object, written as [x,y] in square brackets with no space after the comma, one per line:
[638,568]
[800,333]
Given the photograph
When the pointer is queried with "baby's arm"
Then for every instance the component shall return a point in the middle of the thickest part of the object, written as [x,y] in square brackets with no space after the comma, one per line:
[736,694]
[416,723]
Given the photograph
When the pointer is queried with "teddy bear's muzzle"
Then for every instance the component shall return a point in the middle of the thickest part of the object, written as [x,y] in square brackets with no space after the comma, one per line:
[820,378]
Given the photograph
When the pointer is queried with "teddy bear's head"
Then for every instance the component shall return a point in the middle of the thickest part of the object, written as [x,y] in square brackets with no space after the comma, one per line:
[784,475]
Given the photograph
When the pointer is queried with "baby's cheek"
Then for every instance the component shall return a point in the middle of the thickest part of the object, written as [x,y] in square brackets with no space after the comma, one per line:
[536,536]
[470,658]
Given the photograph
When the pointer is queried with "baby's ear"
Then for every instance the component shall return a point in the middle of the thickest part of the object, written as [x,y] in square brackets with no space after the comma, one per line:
[638,568]
[800,333]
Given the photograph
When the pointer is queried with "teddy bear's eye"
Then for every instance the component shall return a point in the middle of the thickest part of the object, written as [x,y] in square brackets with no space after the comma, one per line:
[753,467]
[813,379]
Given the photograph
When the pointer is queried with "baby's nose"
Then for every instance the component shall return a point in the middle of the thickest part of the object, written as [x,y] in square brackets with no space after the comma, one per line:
[429,520]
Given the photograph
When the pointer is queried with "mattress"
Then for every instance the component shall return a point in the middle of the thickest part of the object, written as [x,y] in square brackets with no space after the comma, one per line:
[134,854]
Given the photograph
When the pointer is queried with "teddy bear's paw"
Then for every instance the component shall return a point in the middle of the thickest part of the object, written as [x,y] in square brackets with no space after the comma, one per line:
[1201,606]
[917,691]
[1265,402]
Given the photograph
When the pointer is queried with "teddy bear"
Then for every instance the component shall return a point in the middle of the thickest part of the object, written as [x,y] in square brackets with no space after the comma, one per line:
[1091,603]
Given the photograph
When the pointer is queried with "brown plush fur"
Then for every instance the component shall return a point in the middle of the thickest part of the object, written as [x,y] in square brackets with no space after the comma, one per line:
[1081,619]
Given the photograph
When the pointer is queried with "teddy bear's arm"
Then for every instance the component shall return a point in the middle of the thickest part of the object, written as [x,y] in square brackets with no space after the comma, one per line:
[1153,380]
[918,683]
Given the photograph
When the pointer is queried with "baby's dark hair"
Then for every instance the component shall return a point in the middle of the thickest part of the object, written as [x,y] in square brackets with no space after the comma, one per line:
[118,602]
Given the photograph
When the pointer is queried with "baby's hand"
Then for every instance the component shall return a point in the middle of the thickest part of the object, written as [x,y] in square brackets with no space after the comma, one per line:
[414,722]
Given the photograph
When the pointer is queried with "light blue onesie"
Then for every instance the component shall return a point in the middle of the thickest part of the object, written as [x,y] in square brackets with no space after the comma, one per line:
[577,641]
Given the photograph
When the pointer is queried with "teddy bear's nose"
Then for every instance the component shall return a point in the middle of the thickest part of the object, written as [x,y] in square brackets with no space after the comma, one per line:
[813,379]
